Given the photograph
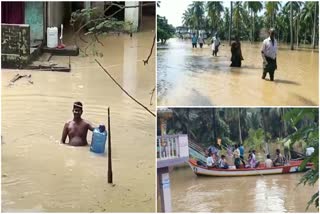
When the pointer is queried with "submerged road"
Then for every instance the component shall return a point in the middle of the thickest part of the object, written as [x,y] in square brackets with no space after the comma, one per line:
[193,77]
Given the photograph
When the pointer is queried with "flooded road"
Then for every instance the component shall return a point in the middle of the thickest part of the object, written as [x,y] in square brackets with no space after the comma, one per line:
[193,77]
[272,193]
[39,174]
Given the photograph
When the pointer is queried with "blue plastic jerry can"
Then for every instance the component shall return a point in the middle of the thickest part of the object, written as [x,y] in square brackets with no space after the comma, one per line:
[99,138]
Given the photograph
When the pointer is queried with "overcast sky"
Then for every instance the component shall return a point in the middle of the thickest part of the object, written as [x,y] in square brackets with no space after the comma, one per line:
[173,10]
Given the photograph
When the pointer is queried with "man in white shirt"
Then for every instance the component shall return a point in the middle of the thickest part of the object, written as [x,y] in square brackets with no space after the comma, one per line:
[236,155]
[215,45]
[269,55]
[268,162]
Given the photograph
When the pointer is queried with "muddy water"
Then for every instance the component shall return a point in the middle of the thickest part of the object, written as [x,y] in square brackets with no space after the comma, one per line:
[39,174]
[187,76]
[273,193]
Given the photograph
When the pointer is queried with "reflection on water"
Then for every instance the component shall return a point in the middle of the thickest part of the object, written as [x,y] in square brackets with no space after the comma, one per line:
[39,174]
[272,193]
[189,76]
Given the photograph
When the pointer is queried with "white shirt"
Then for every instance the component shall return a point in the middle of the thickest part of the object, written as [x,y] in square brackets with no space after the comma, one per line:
[253,161]
[268,163]
[268,49]
[215,42]
[209,161]
[236,153]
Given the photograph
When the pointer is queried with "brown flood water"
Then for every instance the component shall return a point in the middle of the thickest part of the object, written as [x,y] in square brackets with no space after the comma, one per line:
[39,174]
[193,77]
[272,193]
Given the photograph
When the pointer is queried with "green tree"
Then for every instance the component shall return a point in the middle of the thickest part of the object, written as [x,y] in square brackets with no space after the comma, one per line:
[225,23]
[272,7]
[291,25]
[309,14]
[214,9]
[294,10]
[254,7]
[309,133]
[241,20]
[187,18]
[164,30]
[230,21]
[197,14]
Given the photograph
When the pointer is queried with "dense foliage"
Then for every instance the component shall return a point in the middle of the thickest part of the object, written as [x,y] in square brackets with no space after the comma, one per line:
[295,22]
[308,131]
[234,125]
[164,30]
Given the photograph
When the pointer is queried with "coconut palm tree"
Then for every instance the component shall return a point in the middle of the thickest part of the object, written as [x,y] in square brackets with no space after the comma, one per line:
[291,26]
[282,22]
[197,14]
[254,7]
[241,19]
[237,15]
[264,116]
[230,23]
[272,7]
[214,9]
[239,126]
[309,15]
[187,18]
[225,23]
[294,8]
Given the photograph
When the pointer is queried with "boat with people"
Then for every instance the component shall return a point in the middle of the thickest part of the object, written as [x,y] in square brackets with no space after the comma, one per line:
[291,167]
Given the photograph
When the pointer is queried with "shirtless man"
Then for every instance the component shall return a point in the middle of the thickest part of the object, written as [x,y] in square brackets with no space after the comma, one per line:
[77,128]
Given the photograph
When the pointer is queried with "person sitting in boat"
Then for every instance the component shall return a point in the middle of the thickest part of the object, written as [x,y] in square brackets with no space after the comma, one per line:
[223,162]
[210,161]
[279,159]
[77,128]
[249,159]
[236,155]
[268,162]
[253,161]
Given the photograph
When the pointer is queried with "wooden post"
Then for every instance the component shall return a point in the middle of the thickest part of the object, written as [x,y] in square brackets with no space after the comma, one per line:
[109,151]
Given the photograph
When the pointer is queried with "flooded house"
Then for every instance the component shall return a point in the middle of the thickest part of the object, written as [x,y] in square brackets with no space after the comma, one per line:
[24,25]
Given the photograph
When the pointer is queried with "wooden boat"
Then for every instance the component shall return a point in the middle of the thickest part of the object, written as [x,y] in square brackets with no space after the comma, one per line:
[292,167]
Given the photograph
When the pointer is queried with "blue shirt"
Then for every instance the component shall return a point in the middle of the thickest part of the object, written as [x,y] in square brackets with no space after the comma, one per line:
[194,39]
[241,148]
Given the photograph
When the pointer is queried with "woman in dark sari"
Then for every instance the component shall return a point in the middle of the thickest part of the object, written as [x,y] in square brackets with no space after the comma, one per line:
[236,54]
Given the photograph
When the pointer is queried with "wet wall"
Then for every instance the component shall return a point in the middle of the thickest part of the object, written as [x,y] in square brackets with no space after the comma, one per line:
[34,17]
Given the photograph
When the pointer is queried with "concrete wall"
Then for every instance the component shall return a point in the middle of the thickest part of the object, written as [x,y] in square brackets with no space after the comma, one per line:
[15,45]
[56,14]
[132,14]
[34,17]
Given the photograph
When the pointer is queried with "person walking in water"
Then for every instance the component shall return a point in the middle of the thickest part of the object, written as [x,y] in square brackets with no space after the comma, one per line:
[236,54]
[215,45]
[194,41]
[200,41]
[269,55]
[77,128]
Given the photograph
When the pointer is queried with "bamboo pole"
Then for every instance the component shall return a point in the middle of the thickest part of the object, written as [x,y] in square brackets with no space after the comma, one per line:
[109,151]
